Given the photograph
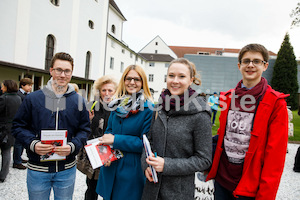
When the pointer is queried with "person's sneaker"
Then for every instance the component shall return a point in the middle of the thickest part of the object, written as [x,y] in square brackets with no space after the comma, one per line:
[214,125]
[19,166]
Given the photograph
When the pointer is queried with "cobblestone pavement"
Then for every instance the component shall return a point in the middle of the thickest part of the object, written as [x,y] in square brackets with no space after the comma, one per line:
[14,186]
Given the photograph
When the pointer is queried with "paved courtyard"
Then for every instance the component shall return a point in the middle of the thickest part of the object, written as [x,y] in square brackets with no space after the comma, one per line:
[14,186]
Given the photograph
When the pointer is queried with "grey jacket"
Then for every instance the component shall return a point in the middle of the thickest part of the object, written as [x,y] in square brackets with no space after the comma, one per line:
[184,139]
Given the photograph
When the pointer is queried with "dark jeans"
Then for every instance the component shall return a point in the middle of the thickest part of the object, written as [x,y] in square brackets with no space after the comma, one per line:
[18,150]
[222,193]
[90,193]
[6,156]
[214,113]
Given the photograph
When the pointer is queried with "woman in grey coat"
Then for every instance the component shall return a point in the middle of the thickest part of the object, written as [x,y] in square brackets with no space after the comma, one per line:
[180,134]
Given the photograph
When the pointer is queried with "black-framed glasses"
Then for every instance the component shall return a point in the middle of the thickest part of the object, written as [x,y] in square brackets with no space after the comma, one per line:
[136,79]
[59,71]
[255,62]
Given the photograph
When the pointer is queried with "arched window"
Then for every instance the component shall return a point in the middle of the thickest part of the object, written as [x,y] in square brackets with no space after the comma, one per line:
[49,51]
[55,2]
[113,29]
[87,64]
[91,24]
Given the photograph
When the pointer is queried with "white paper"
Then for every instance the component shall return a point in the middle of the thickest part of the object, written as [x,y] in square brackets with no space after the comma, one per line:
[149,153]
[56,138]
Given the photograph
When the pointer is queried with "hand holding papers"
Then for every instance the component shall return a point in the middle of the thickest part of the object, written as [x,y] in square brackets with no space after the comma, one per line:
[149,153]
[101,154]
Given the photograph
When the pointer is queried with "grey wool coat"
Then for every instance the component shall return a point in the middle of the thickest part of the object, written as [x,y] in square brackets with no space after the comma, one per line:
[184,139]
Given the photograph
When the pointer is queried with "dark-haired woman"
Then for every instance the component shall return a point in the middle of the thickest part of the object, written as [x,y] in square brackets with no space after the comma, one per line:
[9,104]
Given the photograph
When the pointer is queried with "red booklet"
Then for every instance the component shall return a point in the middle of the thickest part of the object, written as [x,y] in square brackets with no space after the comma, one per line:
[56,138]
[99,154]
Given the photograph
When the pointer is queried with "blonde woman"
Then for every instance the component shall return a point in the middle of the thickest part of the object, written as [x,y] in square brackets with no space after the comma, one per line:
[104,89]
[131,118]
[181,136]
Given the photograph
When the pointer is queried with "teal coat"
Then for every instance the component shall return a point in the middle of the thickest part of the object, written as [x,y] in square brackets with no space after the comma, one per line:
[124,178]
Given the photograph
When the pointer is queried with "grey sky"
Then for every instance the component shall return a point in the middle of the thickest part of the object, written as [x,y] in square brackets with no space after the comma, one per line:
[203,23]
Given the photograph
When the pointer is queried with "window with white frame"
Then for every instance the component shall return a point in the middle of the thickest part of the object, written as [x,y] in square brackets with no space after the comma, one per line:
[113,28]
[87,64]
[165,78]
[112,44]
[151,64]
[111,65]
[55,2]
[91,24]
[151,77]
[166,65]
[122,67]
[50,43]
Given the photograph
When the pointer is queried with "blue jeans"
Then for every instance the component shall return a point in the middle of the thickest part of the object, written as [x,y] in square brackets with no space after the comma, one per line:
[18,150]
[39,184]
[214,113]
[222,193]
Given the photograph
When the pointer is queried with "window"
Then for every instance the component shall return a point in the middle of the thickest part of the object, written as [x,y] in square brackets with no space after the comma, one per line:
[136,58]
[155,51]
[203,53]
[49,51]
[166,65]
[151,77]
[165,78]
[142,61]
[123,50]
[130,55]
[111,66]
[151,64]
[87,64]
[55,2]
[91,24]
[219,53]
[112,44]
[113,29]
[156,43]
[122,67]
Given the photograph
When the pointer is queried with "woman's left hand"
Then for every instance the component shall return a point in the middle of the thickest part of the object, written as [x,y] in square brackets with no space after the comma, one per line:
[107,139]
[156,162]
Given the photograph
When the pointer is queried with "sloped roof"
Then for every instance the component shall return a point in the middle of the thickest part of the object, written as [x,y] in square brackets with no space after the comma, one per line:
[157,57]
[180,51]
[113,4]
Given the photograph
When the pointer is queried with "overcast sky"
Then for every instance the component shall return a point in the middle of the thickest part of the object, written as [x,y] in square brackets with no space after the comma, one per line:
[205,23]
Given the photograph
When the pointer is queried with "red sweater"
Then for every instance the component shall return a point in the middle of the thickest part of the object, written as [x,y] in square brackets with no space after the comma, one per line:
[264,161]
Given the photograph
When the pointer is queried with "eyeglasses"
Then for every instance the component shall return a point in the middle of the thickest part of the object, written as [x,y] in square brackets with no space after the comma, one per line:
[136,79]
[255,62]
[59,71]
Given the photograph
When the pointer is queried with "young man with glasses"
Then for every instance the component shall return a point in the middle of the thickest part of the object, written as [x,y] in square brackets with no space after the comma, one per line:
[56,107]
[250,153]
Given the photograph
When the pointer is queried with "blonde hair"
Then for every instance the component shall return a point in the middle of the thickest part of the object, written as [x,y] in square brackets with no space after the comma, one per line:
[102,81]
[121,90]
[193,72]
[75,87]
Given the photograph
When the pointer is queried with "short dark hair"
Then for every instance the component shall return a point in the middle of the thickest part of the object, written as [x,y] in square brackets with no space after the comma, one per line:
[254,48]
[62,56]
[25,81]
[11,86]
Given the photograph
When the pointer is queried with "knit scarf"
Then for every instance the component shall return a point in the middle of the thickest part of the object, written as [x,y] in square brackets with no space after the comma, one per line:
[127,105]
[257,92]
[166,93]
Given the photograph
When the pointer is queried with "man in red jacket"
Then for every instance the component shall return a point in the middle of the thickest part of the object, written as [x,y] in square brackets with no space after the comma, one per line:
[253,133]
